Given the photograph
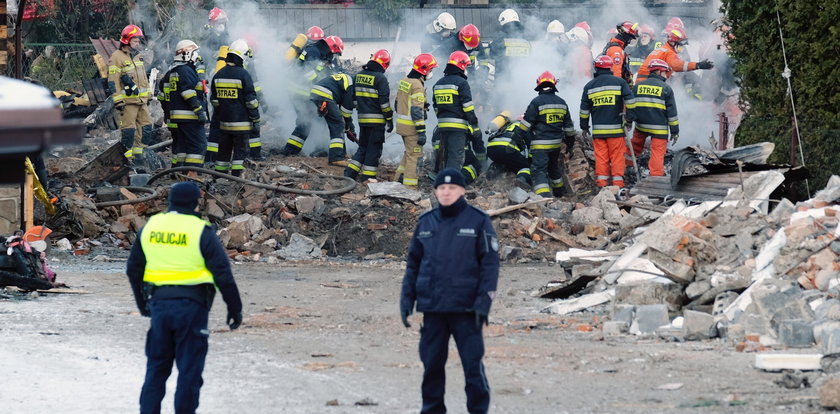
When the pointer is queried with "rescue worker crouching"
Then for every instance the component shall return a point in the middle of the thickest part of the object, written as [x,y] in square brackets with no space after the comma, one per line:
[603,100]
[549,119]
[506,153]
[174,268]
[333,98]
[127,78]
[411,107]
[236,110]
[455,110]
[655,112]
[375,115]
[186,106]
[316,63]
[452,270]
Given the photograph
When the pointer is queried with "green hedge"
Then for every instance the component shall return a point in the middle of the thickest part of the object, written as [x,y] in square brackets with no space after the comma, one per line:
[810,33]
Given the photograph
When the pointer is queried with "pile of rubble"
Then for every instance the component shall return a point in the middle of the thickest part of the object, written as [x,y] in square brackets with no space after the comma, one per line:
[728,268]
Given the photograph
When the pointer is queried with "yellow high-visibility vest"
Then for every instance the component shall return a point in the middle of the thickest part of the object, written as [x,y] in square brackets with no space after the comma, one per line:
[171,243]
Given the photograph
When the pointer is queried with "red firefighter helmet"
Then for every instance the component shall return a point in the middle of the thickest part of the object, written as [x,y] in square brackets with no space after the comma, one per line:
[629,28]
[129,32]
[546,77]
[470,35]
[603,62]
[424,63]
[676,22]
[677,36]
[658,65]
[646,29]
[217,16]
[584,26]
[382,57]
[459,59]
[335,44]
[315,33]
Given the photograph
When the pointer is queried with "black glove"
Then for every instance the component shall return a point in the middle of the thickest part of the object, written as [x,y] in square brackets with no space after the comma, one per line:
[585,133]
[675,138]
[421,139]
[234,320]
[404,315]
[145,311]
[255,128]
[705,64]
[202,116]
[480,318]
[570,144]
[389,125]
[477,134]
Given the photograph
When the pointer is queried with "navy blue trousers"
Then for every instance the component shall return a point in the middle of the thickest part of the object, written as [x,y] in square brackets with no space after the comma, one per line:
[434,349]
[178,333]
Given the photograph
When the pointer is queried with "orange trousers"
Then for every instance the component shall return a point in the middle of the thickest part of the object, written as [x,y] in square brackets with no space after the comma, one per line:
[609,161]
[658,146]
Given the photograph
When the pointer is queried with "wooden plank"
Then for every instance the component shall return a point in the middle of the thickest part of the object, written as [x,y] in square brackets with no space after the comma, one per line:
[28,202]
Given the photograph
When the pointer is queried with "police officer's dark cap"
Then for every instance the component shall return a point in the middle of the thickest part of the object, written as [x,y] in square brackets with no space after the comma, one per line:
[184,195]
[450,176]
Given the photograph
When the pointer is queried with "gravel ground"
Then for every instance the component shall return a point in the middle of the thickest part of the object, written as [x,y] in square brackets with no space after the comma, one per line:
[325,337]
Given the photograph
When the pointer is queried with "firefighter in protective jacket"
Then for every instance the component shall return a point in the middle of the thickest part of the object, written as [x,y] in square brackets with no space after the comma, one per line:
[130,86]
[455,110]
[411,115]
[236,109]
[375,115]
[333,99]
[549,119]
[655,113]
[186,106]
[603,101]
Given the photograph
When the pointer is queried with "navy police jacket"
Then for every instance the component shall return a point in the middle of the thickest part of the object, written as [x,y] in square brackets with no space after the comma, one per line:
[453,261]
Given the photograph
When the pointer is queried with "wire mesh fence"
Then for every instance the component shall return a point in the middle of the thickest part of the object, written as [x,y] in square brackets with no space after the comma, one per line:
[58,66]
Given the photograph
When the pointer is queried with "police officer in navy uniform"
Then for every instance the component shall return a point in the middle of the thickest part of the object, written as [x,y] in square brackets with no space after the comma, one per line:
[451,273]
[174,268]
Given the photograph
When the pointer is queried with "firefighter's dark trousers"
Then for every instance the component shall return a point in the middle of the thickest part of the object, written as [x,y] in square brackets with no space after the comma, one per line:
[510,160]
[366,158]
[190,146]
[453,141]
[547,172]
[233,149]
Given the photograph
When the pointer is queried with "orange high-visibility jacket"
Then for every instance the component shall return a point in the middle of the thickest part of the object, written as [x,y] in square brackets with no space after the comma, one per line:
[667,53]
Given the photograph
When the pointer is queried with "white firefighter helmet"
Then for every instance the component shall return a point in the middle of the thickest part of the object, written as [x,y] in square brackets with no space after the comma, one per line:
[186,51]
[555,28]
[507,16]
[444,21]
[240,48]
[577,34]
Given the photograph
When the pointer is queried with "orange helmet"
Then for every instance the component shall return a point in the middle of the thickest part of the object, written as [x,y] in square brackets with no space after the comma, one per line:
[546,77]
[335,44]
[470,35]
[629,28]
[129,32]
[382,57]
[603,62]
[315,33]
[459,59]
[677,36]
[424,63]
[217,16]
[645,29]
[658,65]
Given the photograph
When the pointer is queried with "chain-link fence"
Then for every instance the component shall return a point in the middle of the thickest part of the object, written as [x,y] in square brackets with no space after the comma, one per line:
[57,66]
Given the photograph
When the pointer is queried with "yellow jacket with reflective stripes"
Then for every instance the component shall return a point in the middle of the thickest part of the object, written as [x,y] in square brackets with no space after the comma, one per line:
[121,63]
[171,243]
[411,99]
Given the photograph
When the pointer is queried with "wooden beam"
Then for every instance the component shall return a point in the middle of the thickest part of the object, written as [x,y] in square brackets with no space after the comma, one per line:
[28,202]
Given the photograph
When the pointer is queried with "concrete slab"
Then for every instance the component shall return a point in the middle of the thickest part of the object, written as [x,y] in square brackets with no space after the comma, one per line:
[567,306]
[778,362]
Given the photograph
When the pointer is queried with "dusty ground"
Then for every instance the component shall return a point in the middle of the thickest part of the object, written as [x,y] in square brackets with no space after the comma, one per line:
[330,331]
